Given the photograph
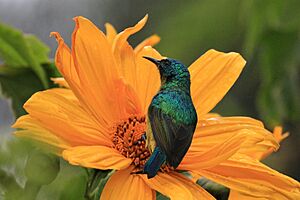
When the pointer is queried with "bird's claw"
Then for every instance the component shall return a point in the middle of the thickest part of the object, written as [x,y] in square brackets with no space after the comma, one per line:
[144,137]
[138,172]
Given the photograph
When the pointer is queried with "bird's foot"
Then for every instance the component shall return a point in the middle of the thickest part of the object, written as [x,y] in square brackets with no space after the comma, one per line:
[143,172]
[141,139]
[144,137]
[138,172]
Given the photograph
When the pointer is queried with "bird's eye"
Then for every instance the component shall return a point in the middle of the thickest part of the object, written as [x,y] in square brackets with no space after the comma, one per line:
[165,62]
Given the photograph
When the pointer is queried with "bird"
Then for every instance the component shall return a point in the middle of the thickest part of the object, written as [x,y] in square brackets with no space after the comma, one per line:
[171,117]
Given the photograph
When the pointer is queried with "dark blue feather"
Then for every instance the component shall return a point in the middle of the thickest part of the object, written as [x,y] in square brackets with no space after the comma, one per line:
[155,161]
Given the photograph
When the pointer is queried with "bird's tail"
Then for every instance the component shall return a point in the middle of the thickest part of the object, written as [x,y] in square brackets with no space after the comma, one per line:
[154,163]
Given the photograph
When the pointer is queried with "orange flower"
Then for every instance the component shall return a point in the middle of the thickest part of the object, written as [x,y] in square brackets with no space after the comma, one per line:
[260,155]
[96,121]
[279,137]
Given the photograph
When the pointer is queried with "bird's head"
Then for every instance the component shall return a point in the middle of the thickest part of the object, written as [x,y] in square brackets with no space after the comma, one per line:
[170,68]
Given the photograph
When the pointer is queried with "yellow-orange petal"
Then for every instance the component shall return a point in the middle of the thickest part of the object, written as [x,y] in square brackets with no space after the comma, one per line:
[136,71]
[123,186]
[147,76]
[150,41]
[212,75]
[96,69]
[176,186]
[63,116]
[64,60]
[122,37]
[277,132]
[97,157]
[211,131]
[126,57]
[33,129]
[249,176]
[218,153]
[279,137]
[127,64]
[111,33]
[209,115]
[61,82]
[128,102]
[98,74]
[235,195]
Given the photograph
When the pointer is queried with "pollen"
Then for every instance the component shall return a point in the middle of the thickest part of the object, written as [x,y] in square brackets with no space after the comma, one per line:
[127,139]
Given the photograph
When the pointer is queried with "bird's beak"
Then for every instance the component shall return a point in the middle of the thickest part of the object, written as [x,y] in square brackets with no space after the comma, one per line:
[156,62]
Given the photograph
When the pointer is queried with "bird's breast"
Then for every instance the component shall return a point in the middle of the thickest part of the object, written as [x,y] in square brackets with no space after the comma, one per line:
[150,142]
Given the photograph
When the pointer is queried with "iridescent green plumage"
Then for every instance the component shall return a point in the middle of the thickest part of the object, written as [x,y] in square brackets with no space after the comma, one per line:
[172,116]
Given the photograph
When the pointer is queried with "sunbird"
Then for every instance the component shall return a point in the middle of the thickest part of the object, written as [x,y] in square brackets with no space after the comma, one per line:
[172,117]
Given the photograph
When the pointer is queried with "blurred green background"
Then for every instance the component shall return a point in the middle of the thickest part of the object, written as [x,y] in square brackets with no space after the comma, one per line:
[265,32]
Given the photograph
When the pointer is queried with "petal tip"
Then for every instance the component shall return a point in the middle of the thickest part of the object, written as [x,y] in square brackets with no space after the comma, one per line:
[79,19]
[15,125]
[76,18]
[143,21]
[56,35]
[241,58]
[20,121]
[146,17]
[108,26]
[235,54]
[156,37]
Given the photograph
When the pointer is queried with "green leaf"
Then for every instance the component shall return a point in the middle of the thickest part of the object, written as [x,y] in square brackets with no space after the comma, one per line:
[219,191]
[12,45]
[19,87]
[17,51]
[13,153]
[9,186]
[160,196]
[52,71]
[8,182]
[96,183]
[73,188]
[278,97]
[69,184]
[39,49]
[289,14]
[203,24]
[255,25]
[19,84]
[41,168]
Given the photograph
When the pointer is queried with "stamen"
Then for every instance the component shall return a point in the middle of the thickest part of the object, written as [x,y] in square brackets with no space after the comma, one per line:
[127,140]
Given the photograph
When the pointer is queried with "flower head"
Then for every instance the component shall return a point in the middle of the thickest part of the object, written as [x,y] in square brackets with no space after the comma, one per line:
[96,120]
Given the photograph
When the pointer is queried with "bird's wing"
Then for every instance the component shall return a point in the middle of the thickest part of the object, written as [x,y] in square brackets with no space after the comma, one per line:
[173,138]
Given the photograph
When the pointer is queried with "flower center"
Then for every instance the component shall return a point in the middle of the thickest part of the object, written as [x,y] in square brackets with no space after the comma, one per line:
[127,140]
